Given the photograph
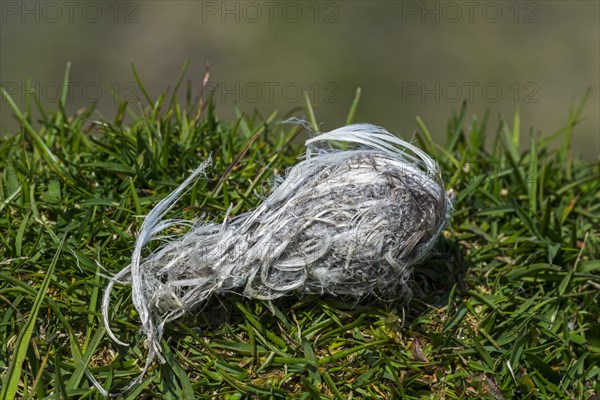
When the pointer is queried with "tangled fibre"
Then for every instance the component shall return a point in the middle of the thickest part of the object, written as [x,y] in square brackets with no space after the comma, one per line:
[343,222]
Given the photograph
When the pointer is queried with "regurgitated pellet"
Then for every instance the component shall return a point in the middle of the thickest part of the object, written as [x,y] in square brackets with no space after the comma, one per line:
[342,222]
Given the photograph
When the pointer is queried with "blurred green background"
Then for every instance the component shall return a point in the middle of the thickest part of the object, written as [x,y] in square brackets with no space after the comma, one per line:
[410,58]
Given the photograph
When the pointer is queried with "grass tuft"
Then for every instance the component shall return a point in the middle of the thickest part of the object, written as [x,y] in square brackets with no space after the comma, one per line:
[507,308]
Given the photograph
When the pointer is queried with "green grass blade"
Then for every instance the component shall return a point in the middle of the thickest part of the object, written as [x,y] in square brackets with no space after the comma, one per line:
[65,88]
[532,174]
[39,143]
[178,83]
[427,142]
[81,365]
[311,113]
[353,107]
[141,85]
[13,376]
[516,130]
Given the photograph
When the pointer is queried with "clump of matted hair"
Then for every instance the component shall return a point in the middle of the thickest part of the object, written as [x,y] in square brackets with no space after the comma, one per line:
[342,222]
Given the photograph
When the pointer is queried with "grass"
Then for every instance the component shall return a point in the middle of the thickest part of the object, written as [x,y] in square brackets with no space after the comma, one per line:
[507,308]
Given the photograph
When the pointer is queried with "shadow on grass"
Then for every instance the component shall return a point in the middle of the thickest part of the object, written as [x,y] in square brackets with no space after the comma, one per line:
[434,279]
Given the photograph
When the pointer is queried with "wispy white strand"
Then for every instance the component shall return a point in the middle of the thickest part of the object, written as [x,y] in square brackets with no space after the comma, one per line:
[347,223]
